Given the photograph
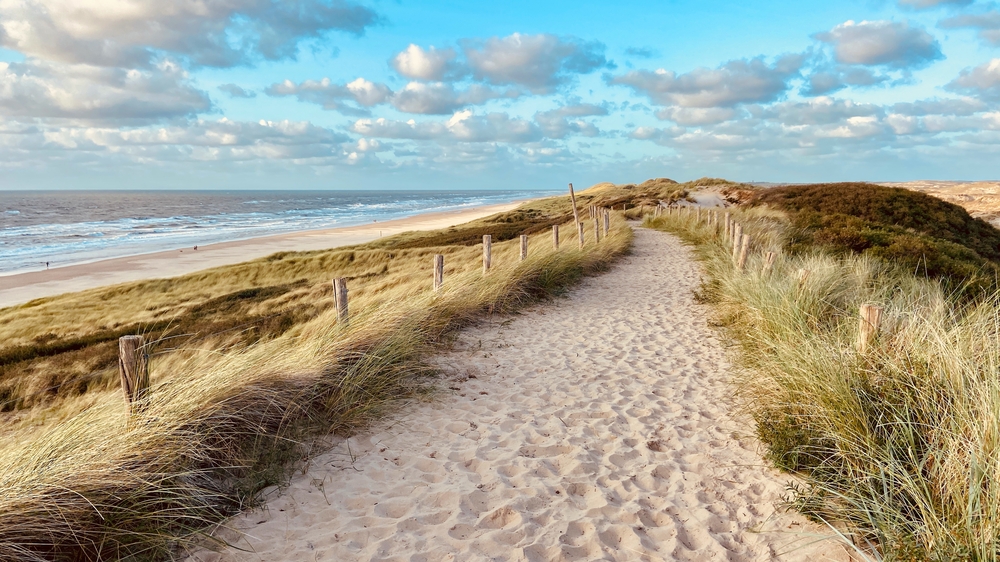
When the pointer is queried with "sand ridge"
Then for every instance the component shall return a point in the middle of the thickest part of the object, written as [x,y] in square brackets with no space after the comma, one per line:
[597,427]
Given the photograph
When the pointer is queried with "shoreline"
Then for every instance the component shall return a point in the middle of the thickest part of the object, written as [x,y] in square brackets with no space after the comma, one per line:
[20,288]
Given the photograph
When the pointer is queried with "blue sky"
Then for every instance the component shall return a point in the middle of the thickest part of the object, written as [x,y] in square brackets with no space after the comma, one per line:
[342,94]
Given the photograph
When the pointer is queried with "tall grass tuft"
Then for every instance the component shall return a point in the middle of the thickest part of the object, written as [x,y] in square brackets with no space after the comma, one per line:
[222,423]
[899,445]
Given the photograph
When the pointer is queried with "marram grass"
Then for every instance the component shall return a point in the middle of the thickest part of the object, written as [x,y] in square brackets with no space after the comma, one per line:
[220,424]
[900,446]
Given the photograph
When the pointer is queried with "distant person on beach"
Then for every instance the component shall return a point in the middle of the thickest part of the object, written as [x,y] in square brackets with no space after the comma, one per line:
[196,248]
[46,265]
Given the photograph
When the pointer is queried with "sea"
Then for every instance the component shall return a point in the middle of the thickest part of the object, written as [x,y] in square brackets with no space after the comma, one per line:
[60,228]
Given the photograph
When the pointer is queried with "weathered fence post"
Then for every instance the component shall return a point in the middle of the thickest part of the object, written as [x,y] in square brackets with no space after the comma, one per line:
[438,272]
[579,228]
[524,247]
[133,367]
[555,236]
[728,225]
[744,248]
[487,253]
[607,222]
[737,239]
[871,316]
[572,196]
[769,261]
[597,229]
[340,298]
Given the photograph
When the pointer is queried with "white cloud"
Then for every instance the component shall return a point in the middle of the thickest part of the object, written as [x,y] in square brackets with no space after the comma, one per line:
[331,96]
[235,91]
[438,98]
[694,116]
[423,64]
[986,23]
[982,81]
[133,33]
[464,126]
[540,63]
[882,43]
[39,89]
[563,121]
[734,83]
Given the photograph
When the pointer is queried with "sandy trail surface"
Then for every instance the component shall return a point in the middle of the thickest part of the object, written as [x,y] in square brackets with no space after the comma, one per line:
[596,427]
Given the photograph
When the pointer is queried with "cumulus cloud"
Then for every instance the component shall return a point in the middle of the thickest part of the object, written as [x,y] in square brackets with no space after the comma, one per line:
[696,116]
[236,91]
[982,81]
[464,126]
[540,63]
[332,96]
[927,4]
[38,89]
[987,25]
[829,80]
[735,82]
[882,43]
[210,33]
[438,98]
[954,106]
[563,121]
[424,64]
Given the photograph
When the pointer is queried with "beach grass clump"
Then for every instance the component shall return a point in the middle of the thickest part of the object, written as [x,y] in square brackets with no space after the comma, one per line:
[230,413]
[898,446]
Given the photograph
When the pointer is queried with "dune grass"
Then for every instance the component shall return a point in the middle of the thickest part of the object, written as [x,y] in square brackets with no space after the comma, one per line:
[234,401]
[898,446]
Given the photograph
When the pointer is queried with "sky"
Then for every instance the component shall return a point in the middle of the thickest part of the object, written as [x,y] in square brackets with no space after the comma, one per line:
[341,94]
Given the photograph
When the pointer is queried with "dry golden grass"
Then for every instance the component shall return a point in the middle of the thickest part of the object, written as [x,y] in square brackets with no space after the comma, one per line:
[81,481]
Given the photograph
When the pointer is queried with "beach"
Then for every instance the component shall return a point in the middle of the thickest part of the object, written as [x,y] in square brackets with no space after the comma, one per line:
[23,287]
[599,426]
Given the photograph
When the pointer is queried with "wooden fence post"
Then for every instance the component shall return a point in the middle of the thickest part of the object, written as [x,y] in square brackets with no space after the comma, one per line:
[871,316]
[769,261]
[728,225]
[737,239]
[607,222]
[340,298]
[524,247]
[572,196]
[438,272]
[133,367]
[555,236]
[597,229]
[487,253]
[579,228]
[744,248]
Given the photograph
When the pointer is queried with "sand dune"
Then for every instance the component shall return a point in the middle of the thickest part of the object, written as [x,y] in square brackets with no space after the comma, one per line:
[980,198]
[598,427]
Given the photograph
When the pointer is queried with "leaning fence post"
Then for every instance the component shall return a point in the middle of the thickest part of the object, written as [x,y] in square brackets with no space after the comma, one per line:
[744,248]
[487,253]
[579,228]
[572,196]
[133,367]
[438,272]
[769,261]
[340,298]
[524,247]
[871,316]
[555,236]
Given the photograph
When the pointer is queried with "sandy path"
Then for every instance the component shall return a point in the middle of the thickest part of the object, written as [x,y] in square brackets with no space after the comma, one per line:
[595,427]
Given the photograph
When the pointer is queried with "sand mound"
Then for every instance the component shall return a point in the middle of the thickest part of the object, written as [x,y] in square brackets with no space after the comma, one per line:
[597,427]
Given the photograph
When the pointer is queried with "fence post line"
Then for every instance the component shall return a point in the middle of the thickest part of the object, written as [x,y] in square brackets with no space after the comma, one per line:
[133,368]
[871,316]
[769,261]
[487,253]
[438,271]
[579,228]
[737,239]
[744,248]
[340,298]
[524,247]
[555,236]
